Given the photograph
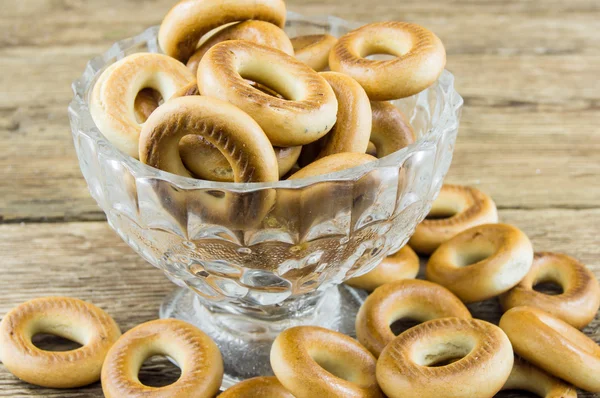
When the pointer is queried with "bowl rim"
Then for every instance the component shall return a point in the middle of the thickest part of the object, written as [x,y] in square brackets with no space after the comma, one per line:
[83,124]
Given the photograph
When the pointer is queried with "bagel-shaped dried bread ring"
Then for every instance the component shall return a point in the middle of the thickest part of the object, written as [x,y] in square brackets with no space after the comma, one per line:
[314,50]
[420,59]
[554,346]
[404,368]
[333,163]
[526,377]
[412,298]
[264,387]
[189,20]
[69,318]
[113,98]
[576,305]
[196,354]
[401,265]
[390,130]
[460,208]
[308,110]
[481,262]
[311,361]
[259,32]
[232,131]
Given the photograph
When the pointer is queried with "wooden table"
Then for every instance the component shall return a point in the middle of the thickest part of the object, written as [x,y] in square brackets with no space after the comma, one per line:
[528,71]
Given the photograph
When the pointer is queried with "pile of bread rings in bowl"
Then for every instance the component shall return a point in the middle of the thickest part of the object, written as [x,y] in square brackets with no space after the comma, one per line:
[537,345]
[234,99]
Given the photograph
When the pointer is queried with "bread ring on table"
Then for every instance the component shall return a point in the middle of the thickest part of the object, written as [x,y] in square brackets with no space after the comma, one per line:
[391,130]
[554,346]
[233,132]
[332,163]
[189,20]
[481,262]
[524,376]
[462,208]
[403,264]
[264,387]
[578,303]
[311,361]
[314,50]
[65,317]
[308,110]
[195,353]
[411,298]
[258,32]
[406,367]
[420,59]
[112,102]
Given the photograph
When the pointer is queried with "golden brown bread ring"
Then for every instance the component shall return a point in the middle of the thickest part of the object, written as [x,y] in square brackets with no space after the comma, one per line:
[263,387]
[113,97]
[311,361]
[401,265]
[405,369]
[554,346]
[526,377]
[333,163]
[420,59]
[390,130]
[314,50]
[189,20]
[233,132]
[576,305]
[411,298]
[195,353]
[307,114]
[259,32]
[69,318]
[463,207]
[481,262]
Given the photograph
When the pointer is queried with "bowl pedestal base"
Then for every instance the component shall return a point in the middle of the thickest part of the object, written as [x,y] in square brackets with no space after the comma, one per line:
[245,342]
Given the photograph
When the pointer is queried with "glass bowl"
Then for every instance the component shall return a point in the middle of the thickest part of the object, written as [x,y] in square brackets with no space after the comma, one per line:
[254,259]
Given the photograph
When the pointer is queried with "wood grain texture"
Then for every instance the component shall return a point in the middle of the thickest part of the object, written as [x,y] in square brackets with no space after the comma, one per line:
[529,136]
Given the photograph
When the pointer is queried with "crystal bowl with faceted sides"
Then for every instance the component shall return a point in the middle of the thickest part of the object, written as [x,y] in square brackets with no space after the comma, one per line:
[254,259]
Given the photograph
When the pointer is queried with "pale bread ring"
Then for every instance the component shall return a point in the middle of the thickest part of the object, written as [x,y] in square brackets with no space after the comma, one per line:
[196,354]
[465,207]
[554,346]
[390,130]
[69,318]
[420,59]
[310,111]
[404,367]
[233,132]
[526,377]
[411,298]
[311,361]
[314,50]
[498,257]
[189,20]
[258,32]
[401,265]
[113,97]
[333,163]
[578,303]
[264,387]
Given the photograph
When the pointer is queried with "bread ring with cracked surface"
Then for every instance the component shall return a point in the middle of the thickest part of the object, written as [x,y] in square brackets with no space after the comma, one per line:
[65,317]
[406,367]
[411,298]
[308,110]
[526,377]
[314,50]
[462,208]
[420,58]
[195,353]
[264,387]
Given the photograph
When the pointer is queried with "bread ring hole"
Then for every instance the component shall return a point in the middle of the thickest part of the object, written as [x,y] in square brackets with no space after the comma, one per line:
[159,371]
[403,324]
[442,210]
[146,101]
[52,342]
[335,365]
[471,253]
[272,79]
[265,89]
[549,287]
[383,47]
[516,393]
[443,353]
